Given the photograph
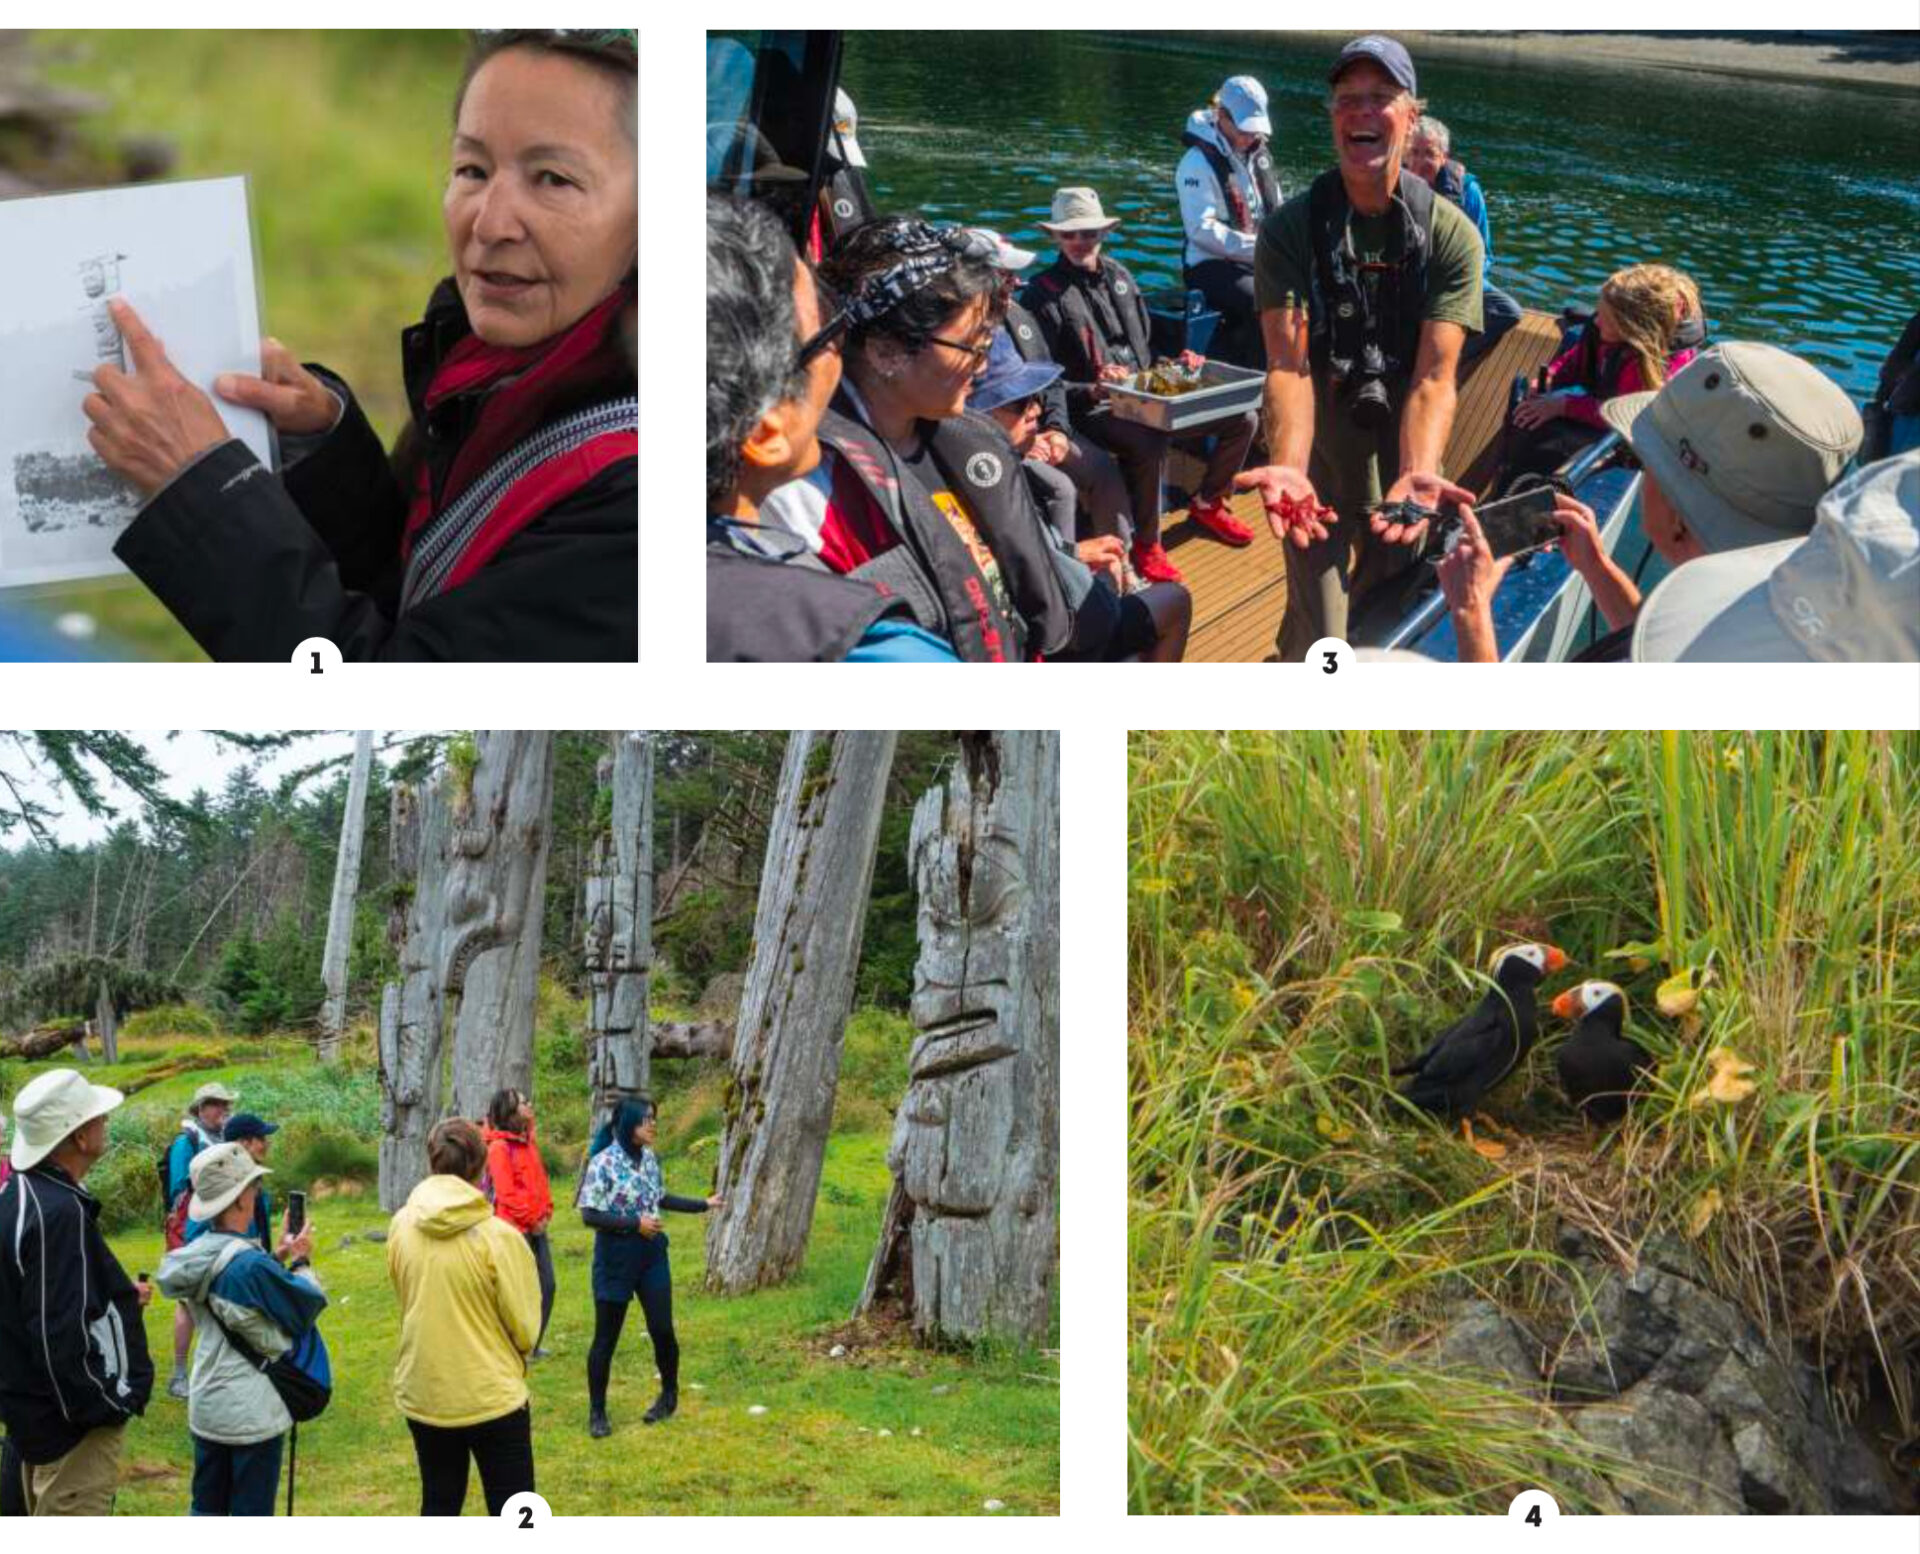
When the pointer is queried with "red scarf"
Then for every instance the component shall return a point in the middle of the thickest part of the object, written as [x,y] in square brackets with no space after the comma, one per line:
[521,385]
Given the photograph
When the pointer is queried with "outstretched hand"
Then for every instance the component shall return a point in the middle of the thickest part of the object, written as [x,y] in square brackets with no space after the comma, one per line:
[149,424]
[297,402]
[1419,486]
[1294,508]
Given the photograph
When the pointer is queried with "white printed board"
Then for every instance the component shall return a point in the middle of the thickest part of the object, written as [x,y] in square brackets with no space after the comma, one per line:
[182,255]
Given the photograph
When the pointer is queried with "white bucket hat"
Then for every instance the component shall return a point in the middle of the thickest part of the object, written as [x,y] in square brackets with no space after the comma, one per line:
[1848,593]
[846,124]
[1078,210]
[52,1107]
[1743,440]
[219,1176]
[1245,100]
[213,1090]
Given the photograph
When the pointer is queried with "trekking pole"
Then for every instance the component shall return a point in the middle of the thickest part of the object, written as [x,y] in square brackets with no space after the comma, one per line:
[293,1463]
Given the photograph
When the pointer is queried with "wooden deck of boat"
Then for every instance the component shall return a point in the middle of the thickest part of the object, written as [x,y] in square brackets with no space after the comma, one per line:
[1240,595]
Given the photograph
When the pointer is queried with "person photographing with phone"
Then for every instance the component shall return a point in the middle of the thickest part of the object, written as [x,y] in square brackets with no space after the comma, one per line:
[249,1311]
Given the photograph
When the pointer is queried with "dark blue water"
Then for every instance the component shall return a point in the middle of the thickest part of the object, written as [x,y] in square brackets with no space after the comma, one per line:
[1796,206]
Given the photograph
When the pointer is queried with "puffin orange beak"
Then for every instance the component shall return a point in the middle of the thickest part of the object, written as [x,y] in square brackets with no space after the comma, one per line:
[1563,1005]
[1556,959]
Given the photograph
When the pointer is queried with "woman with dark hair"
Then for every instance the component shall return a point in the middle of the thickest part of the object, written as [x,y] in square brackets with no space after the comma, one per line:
[517,1179]
[469,1314]
[913,492]
[621,1197]
[505,526]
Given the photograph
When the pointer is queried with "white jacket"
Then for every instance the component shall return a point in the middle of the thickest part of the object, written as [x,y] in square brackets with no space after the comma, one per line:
[1204,210]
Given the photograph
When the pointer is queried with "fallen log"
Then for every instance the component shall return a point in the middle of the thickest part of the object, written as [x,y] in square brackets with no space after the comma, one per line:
[43,1041]
[697,1039]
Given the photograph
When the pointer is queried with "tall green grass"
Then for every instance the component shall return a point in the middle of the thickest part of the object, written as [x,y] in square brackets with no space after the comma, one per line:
[1306,908]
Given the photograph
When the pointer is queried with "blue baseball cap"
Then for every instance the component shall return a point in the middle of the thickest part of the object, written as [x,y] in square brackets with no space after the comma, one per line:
[1388,53]
[1008,379]
[244,1125]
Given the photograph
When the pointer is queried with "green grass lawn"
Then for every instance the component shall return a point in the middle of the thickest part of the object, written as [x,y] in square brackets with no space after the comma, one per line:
[987,1423]
[344,136]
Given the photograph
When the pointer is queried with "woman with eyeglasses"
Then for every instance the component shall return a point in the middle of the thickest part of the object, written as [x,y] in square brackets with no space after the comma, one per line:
[1094,317]
[913,494]
[621,1198]
[505,524]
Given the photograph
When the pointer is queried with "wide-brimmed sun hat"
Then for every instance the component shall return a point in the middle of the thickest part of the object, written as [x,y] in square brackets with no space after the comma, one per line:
[1078,210]
[51,1108]
[1744,441]
[1847,593]
[220,1175]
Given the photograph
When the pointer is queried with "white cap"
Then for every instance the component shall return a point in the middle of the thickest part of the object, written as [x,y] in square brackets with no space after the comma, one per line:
[846,121]
[219,1176]
[1847,593]
[1005,255]
[52,1107]
[1245,99]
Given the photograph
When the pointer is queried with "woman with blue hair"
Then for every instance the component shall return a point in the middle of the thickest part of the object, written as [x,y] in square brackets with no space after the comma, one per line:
[622,1197]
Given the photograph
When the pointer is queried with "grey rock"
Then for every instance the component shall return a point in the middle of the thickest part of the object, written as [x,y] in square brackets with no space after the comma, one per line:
[376,1235]
[345,1242]
[1484,1341]
[1675,1461]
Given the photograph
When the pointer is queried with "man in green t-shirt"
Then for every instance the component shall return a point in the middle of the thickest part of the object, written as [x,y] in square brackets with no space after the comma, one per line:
[1400,273]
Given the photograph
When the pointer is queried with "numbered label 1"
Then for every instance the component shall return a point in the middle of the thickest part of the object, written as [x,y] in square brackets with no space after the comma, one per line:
[526,1511]
[1330,656]
[316,656]
[1534,1507]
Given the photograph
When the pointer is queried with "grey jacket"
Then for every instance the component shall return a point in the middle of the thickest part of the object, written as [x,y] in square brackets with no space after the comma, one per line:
[230,1402]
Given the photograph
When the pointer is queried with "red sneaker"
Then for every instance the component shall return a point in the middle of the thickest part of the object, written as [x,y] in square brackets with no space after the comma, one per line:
[1217,521]
[1152,563]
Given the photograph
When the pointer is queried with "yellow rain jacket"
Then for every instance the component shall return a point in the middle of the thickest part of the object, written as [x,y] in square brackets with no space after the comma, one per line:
[469,1306]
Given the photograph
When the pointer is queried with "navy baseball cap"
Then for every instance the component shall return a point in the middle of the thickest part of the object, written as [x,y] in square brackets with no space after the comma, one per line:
[244,1125]
[1389,54]
[1008,379]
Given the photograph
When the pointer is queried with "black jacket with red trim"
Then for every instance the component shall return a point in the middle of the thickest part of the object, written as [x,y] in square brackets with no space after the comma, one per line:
[73,1348]
[252,565]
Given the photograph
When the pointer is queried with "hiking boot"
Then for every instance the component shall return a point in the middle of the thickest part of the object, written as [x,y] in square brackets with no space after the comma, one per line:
[597,1425]
[663,1408]
[177,1387]
[1221,524]
[1152,563]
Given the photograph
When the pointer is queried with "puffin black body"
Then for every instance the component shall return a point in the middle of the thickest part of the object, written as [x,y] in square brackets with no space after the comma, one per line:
[1470,1057]
[1598,1065]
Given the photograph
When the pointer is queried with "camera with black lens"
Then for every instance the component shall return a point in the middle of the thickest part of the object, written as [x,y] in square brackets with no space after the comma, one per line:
[1363,387]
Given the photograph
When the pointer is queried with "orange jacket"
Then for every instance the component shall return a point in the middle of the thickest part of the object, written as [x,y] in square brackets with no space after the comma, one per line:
[521,1195]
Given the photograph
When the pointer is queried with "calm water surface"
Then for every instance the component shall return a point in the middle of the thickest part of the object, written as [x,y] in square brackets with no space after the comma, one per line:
[1796,206]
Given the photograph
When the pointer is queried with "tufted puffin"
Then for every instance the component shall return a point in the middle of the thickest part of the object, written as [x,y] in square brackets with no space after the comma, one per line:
[1470,1057]
[1598,1065]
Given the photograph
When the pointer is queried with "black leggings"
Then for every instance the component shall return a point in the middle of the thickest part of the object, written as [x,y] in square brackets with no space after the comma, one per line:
[501,1448]
[609,1316]
[542,1249]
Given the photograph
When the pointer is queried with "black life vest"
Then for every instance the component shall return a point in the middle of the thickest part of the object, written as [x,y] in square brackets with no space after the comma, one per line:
[1104,313]
[990,508]
[844,200]
[1344,294]
[767,611]
[1259,168]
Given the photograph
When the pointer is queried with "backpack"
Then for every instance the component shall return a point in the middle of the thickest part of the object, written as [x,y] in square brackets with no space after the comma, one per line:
[303,1376]
[173,1212]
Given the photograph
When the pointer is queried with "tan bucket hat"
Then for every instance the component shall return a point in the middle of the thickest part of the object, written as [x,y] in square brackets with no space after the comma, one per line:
[1744,440]
[51,1107]
[220,1175]
[213,1090]
[1078,210]
[1848,593]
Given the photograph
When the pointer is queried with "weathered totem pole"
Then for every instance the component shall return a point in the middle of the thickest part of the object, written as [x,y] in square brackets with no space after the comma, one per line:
[968,1243]
[410,1009]
[346,885]
[496,892]
[793,1010]
[618,937]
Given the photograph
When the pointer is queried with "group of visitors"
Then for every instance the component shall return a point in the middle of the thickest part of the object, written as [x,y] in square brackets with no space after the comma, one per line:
[467,1256]
[868,414]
